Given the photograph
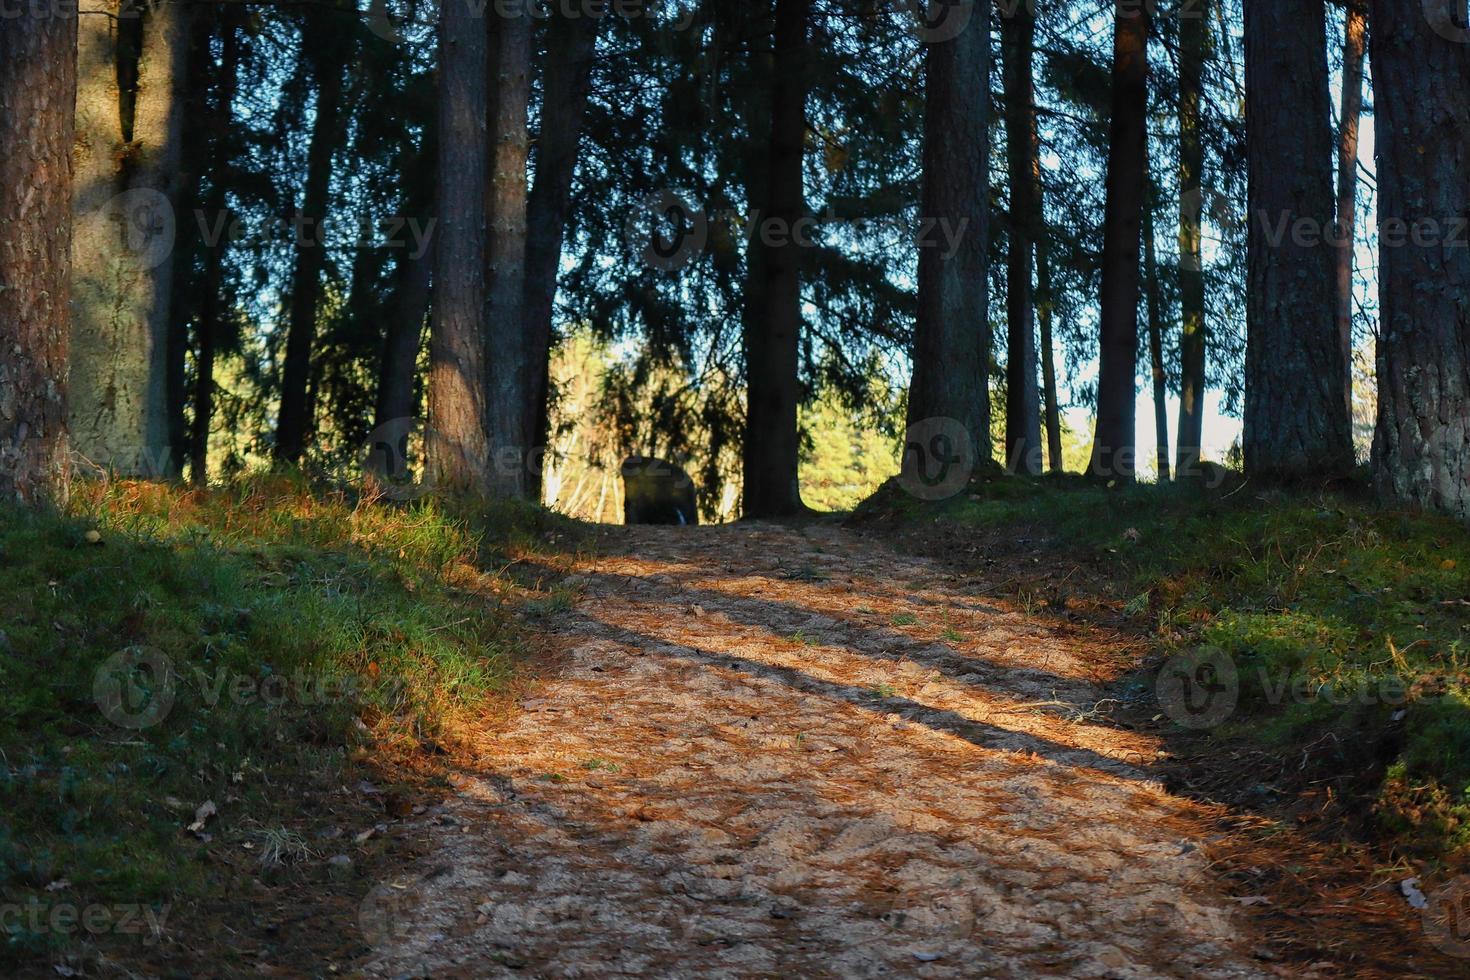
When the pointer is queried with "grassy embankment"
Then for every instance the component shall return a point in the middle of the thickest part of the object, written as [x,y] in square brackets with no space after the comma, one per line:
[1347,624]
[253,649]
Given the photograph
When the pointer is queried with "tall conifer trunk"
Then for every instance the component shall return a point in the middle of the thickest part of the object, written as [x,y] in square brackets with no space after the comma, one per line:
[1194,50]
[772,345]
[1113,451]
[37,105]
[1296,419]
[131,67]
[509,381]
[1421,74]
[1023,407]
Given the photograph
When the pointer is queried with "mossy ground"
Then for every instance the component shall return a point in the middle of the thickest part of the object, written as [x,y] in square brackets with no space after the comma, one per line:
[294,639]
[1346,621]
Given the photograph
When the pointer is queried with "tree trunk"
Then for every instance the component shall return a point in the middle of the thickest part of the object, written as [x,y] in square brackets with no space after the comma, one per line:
[773,346]
[399,368]
[131,64]
[952,338]
[37,105]
[207,319]
[1113,451]
[295,425]
[457,446]
[1156,346]
[1045,305]
[508,364]
[1421,72]
[1296,420]
[567,80]
[1194,50]
[1023,409]
[1355,41]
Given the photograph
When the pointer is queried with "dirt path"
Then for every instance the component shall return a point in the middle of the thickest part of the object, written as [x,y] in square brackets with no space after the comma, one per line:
[793,752]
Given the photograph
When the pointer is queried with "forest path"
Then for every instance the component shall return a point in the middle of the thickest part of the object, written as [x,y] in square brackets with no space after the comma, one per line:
[771,751]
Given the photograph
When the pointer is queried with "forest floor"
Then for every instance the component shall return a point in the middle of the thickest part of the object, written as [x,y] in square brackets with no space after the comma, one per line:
[803,751]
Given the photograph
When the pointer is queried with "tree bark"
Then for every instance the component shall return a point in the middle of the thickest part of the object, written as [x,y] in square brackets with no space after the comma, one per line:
[1156,346]
[37,105]
[131,63]
[1355,41]
[398,370]
[952,340]
[1113,451]
[1023,407]
[295,424]
[1296,421]
[1421,72]
[571,45]
[508,365]
[457,446]
[772,348]
[1194,50]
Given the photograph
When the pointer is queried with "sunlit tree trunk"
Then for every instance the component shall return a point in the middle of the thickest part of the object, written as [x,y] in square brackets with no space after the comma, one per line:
[1023,407]
[1355,42]
[37,106]
[457,447]
[773,346]
[1194,51]
[509,383]
[952,338]
[571,45]
[1113,450]
[1421,74]
[131,64]
[1296,415]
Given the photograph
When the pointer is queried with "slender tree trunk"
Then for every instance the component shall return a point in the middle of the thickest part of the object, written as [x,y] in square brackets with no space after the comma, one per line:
[1421,73]
[773,347]
[1156,345]
[208,316]
[1194,49]
[398,372]
[295,424]
[1045,307]
[1355,42]
[952,338]
[37,105]
[509,383]
[457,446]
[1296,419]
[1113,451]
[571,45]
[131,63]
[1023,408]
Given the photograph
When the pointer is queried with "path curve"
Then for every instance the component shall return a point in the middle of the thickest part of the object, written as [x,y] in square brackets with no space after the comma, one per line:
[771,751]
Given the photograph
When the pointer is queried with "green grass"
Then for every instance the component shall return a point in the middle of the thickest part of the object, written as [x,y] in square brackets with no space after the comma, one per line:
[1339,614]
[292,633]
